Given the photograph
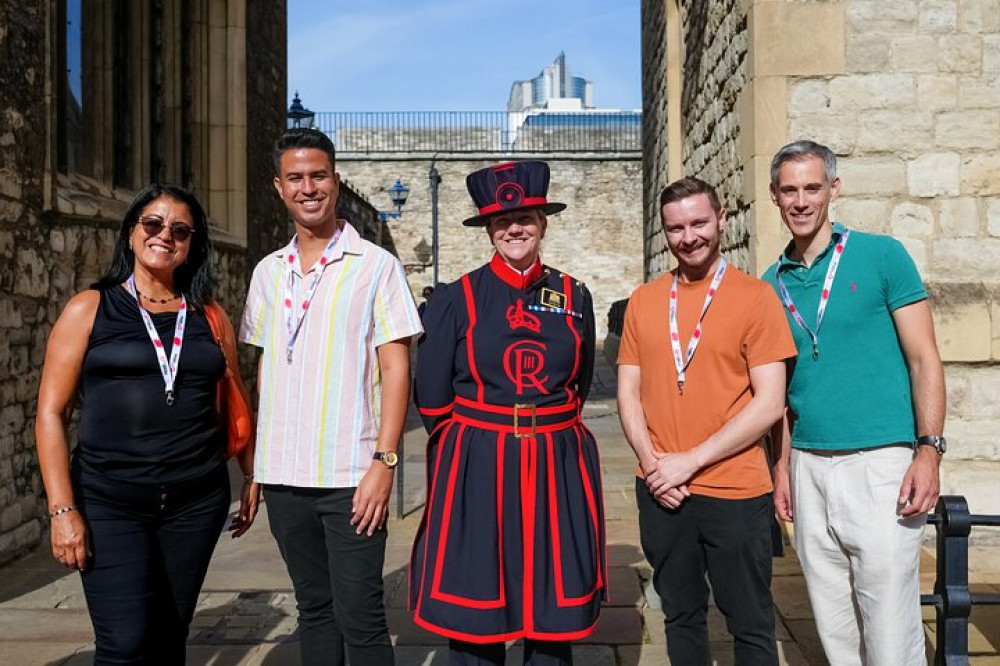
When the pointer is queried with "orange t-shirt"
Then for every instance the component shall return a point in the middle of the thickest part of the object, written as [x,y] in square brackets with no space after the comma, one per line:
[744,327]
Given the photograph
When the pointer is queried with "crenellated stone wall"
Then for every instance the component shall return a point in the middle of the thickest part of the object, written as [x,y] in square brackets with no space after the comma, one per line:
[597,239]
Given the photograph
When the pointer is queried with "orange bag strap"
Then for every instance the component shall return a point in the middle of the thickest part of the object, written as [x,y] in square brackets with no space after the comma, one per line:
[222,331]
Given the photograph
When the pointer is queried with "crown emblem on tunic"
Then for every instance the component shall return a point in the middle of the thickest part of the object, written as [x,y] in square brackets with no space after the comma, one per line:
[518,318]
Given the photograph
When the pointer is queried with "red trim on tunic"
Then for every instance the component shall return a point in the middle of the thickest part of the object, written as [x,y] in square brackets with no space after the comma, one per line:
[470,306]
[568,288]
[529,483]
[509,411]
[513,277]
[509,636]
[436,593]
[436,411]
[509,429]
[561,598]
[597,498]
[430,507]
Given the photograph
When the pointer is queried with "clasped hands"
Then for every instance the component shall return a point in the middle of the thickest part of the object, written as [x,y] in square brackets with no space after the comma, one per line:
[667,475]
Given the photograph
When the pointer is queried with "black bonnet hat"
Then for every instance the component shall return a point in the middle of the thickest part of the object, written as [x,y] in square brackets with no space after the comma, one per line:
[509,187]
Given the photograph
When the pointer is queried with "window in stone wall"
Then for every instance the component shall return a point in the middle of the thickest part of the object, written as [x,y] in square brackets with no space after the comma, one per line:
[100,110]
[152,90]
[214,155]
[76,153]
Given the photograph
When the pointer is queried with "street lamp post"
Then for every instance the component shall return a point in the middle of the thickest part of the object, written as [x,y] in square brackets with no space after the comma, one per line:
[435,179]
[298,115]
[398,194]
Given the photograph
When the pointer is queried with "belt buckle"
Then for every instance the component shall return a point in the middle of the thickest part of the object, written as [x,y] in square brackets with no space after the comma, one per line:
[517,433]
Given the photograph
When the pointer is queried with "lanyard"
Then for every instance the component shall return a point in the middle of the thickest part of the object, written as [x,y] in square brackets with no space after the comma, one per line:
[167,369]
[294,316]
[683,361]
[824,296]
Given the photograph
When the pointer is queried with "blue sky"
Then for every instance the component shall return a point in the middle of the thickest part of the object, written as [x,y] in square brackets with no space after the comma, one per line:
[456,55]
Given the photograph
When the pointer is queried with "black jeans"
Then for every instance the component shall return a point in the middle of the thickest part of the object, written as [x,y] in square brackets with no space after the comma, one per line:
[536,653]
[730,540]
[151,548]
[337,575]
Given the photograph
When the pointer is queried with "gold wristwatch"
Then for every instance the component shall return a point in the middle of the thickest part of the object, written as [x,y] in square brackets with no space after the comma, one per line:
[390,458]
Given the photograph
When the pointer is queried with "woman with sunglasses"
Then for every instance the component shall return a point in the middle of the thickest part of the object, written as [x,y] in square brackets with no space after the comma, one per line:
[140,506]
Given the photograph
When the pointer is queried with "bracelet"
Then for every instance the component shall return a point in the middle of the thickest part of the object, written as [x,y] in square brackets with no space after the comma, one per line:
[248,478]
[59,512]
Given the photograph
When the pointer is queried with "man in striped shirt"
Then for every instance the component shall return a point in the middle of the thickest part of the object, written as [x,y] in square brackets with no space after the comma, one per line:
[334,316]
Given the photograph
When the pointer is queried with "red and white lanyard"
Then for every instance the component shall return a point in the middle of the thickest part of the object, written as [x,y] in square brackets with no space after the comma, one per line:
[824,296]
[168,369]
[295,315]
[683,361]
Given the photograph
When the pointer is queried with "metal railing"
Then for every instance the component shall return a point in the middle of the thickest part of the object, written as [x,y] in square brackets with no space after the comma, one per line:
[374,132]
[952,599]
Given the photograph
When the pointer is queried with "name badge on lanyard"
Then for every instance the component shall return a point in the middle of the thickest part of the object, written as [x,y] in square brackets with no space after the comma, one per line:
[824,297]
[294,316]
[681,362]
[168,368]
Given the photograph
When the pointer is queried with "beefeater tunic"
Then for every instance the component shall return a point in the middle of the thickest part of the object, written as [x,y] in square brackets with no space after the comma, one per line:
[512,540]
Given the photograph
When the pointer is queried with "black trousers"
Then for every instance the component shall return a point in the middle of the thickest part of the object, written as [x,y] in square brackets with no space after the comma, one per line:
[337,575]
[536,653]
[730,540]
[151,549]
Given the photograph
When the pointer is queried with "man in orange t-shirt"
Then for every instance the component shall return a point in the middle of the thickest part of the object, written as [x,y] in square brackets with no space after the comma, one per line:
[701,378]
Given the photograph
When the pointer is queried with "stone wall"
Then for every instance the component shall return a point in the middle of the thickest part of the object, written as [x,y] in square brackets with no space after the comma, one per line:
[655,133]
[907,92]
[714,54]
[57,232]
[915,120]
[597,239]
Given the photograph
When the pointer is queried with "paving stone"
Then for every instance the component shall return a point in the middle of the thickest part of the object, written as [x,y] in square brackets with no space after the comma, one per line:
[804,634]
[790,597]
[618,626]
[642,655]
[625,586]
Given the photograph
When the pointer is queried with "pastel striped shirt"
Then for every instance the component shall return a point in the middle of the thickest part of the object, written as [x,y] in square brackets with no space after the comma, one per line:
[318,416]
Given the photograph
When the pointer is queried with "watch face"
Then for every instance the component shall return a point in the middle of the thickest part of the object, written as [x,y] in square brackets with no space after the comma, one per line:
[390,458]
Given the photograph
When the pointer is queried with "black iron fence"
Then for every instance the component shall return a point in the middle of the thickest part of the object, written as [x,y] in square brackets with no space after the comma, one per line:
[373,132]
[952,599]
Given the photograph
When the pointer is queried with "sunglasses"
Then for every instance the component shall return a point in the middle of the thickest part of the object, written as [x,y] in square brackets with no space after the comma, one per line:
[153,226]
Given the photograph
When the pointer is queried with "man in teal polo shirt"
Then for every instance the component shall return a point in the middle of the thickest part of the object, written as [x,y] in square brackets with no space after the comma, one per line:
[866,403]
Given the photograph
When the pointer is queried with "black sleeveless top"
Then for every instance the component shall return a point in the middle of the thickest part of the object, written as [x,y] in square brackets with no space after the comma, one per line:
[127,431]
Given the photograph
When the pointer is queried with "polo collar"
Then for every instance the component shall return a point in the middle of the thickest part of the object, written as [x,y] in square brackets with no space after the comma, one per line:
[786,262]
[514,277]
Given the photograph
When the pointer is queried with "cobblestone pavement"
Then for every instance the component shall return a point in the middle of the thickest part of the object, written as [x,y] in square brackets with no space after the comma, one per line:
[246,614]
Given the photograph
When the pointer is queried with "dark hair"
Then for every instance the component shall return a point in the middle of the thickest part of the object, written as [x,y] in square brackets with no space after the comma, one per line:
[302,137]
[800,150]
[689,187]
[195,278]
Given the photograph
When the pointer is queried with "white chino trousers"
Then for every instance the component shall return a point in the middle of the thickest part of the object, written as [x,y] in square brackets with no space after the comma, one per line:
[860,559]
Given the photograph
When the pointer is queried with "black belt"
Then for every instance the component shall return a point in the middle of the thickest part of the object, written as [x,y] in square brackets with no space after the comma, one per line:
[846,452]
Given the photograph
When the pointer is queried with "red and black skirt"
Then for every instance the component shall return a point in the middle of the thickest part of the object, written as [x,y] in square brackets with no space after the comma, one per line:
[512,542]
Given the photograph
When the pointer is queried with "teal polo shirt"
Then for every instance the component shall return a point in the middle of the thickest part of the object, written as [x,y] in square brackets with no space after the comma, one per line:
[856,393]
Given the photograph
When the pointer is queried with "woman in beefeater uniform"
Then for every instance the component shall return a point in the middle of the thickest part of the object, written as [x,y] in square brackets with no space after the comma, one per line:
[511,544]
